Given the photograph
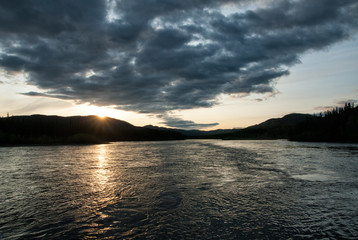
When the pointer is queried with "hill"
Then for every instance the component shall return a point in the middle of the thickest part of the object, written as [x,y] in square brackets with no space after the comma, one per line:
[40,129]
[338,125]
[275,128]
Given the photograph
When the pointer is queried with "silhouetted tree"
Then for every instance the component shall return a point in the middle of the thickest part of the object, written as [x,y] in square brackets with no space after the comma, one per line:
[337,125]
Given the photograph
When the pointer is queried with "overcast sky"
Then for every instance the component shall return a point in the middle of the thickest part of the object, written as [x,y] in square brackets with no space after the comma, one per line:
[178,63]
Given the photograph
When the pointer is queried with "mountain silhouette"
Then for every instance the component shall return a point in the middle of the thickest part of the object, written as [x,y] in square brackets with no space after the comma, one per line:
[275,128]
[41,129]
[338,125]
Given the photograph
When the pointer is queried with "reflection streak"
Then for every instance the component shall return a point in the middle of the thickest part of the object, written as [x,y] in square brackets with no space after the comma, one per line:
[102,173]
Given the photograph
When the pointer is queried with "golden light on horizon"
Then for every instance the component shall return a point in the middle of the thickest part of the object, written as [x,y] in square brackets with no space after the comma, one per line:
[102,112]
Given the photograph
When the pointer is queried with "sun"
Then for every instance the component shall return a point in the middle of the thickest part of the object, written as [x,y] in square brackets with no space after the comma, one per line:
[101,112]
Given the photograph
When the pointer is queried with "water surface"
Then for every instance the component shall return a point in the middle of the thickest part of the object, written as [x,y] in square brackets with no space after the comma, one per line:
[195,189]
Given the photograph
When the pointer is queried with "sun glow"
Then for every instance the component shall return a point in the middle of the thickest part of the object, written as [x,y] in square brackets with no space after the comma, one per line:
[102,112]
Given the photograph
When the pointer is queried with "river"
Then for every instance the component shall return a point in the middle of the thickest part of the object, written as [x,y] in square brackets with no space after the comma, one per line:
[193,189]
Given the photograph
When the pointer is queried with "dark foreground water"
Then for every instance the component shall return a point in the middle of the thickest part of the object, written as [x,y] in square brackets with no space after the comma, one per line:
[180,190]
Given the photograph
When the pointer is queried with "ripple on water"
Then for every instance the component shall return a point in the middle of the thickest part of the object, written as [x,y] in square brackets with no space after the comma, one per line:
[180,190]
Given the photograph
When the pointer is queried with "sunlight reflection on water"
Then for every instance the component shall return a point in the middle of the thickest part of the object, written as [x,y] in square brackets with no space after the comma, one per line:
[204,189]
[102,174]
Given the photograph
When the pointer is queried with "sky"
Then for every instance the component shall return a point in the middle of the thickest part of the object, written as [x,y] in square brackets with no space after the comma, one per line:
[203,64]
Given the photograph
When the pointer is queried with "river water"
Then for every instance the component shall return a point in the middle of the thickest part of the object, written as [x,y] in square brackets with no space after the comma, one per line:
[193,189]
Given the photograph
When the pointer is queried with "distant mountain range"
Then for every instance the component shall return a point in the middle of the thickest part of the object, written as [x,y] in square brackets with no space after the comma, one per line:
[195,133]
[338,125]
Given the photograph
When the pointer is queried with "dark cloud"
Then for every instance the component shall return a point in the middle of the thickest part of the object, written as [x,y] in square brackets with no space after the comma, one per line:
[342,102]
[339,103]
[38,94]
[154,56]
[185,124]
[324,108]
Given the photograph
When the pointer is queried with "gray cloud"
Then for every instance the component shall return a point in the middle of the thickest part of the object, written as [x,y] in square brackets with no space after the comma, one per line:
[158,56]
[339,103]
[184,124]
[342,102]
[324,108]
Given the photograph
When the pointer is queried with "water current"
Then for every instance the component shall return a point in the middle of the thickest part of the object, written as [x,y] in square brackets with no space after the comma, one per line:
[193,189]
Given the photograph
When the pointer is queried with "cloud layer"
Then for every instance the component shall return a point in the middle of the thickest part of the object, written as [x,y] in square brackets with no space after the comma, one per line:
[153,56]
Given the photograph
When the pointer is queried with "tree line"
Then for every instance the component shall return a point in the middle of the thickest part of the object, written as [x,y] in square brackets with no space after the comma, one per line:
[337,125]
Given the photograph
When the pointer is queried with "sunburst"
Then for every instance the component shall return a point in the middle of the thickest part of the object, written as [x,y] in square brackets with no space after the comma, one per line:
[102,112]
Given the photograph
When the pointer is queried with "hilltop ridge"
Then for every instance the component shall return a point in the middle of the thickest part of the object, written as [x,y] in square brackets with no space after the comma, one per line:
[338,125]
[42,129]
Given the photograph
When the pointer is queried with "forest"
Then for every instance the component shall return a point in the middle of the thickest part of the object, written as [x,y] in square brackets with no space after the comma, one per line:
[337,125]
